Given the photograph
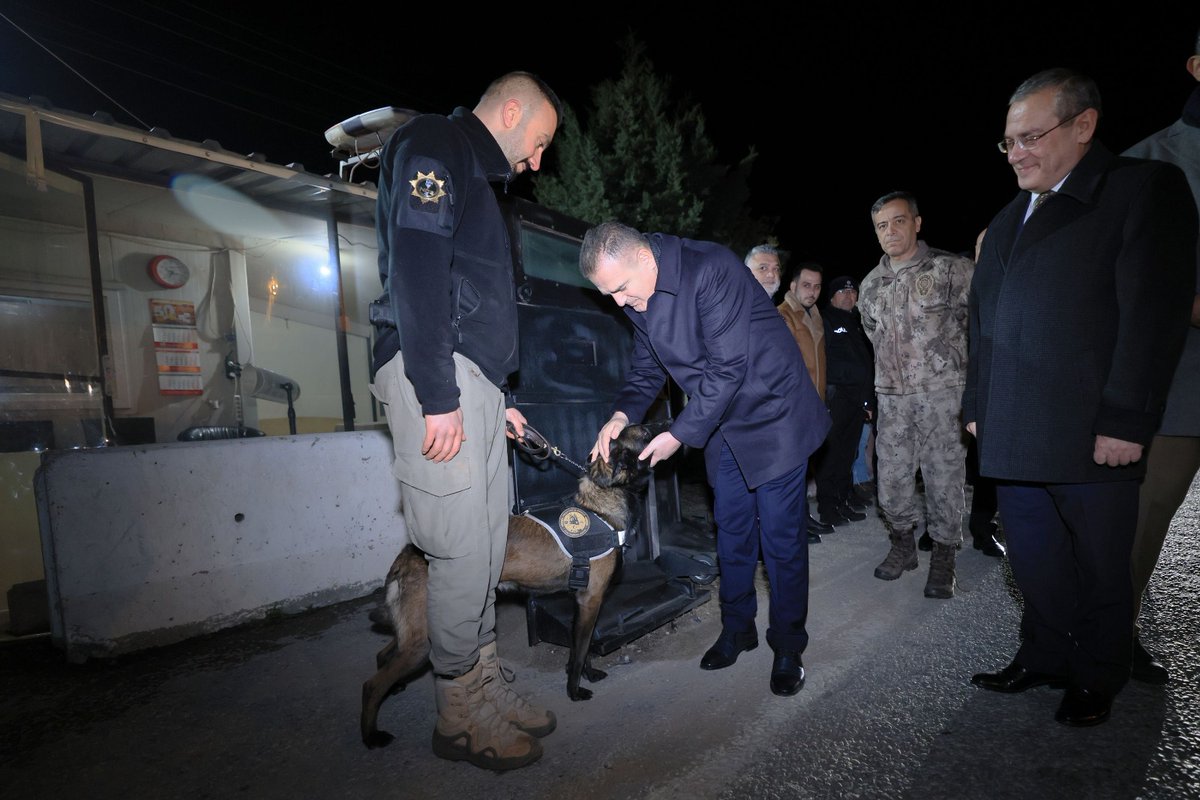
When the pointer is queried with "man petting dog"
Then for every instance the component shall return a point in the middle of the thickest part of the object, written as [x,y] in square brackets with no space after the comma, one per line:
[700,317]
[448,303]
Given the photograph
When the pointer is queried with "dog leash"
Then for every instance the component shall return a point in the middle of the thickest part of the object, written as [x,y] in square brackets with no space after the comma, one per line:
[539,448]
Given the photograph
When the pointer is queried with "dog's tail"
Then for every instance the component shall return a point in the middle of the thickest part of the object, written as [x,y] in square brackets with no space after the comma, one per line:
[406,596]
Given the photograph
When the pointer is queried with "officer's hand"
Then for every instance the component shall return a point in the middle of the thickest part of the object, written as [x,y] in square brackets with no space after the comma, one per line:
[611,430]
[517,420]
[1116,452]
[971,428]
[661,447]
[444,435]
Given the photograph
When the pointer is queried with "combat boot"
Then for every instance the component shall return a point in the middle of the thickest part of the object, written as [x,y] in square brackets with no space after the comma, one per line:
[470,728]
[512,706]
[941,571]
[902,556]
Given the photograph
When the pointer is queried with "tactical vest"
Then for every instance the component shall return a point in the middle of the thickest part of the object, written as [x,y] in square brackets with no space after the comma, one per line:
[582,535]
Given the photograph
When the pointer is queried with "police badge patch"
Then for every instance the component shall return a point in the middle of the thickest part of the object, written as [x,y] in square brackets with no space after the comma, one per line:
[574,522]
[924,285]
[427,187]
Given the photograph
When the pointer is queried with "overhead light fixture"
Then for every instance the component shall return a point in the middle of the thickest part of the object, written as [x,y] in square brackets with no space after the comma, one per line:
[366,132]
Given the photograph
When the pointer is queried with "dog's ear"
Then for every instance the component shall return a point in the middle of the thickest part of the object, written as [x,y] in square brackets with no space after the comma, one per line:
[656,427]
[622,467]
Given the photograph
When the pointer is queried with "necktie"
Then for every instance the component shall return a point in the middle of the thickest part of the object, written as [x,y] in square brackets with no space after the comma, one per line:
[1041,198]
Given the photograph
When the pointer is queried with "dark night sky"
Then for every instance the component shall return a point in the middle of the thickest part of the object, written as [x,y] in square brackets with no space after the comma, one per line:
[841,105]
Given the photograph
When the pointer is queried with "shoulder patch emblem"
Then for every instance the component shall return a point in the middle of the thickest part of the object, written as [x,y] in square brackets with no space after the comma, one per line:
[574,522]
[427,187]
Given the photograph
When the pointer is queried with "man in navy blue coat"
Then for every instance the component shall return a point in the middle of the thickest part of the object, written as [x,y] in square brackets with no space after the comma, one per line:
[700,317]
[1079,306]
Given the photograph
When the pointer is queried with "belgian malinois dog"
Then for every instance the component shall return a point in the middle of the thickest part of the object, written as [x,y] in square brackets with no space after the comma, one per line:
[533,563]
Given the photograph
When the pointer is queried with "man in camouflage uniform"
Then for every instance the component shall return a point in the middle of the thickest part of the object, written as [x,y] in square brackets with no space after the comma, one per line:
[914,309]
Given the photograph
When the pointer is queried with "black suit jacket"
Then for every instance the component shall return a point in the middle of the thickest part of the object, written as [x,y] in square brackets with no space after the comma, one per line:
[1077,319]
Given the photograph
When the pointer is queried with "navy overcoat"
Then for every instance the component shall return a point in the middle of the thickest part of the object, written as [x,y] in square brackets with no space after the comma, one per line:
[1078,318]
[712,328]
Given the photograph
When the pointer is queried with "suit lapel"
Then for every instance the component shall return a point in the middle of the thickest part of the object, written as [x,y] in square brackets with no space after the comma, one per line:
[1008,229]
[1075,198]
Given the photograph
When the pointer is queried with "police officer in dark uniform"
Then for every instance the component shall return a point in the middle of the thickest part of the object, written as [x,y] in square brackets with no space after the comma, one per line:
[446,343]
[850,396]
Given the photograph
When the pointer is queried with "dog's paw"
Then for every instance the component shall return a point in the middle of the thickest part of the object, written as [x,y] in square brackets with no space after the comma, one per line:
[593,674]
[381,621]
[376,739]
[579,693]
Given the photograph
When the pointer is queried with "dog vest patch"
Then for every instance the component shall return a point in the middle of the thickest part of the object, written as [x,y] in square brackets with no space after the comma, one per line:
[582,535]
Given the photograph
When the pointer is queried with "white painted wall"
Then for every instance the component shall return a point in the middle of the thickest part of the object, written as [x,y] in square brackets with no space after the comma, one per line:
[148,545]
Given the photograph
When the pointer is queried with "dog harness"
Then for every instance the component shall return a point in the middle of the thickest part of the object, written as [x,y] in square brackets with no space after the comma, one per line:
[582,535]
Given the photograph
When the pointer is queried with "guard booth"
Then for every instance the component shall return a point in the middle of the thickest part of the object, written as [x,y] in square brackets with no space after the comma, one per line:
[575,350]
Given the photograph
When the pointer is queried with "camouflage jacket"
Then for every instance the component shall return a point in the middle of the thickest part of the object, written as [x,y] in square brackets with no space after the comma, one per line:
[915,314]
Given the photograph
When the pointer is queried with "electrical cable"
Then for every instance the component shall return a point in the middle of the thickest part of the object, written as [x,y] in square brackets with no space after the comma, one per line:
[79,74]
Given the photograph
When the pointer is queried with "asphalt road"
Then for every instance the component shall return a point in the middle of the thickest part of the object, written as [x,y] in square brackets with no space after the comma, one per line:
[271,710]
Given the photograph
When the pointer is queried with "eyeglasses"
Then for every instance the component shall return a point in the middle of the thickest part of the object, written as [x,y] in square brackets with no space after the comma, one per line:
[1031,142]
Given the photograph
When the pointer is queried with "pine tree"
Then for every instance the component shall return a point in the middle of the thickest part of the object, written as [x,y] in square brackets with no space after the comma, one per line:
[648,162]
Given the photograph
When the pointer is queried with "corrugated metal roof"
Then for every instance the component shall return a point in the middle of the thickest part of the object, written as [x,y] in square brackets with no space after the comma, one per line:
[98,144]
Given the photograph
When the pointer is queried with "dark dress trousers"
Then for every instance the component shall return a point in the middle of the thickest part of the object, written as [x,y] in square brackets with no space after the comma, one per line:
[753,409]
[1077,318]
[849,393]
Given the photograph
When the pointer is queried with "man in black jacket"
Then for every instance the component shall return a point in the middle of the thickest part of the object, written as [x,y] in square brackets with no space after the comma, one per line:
[1078,311]
[446,343]
[1174,458]
[850,396]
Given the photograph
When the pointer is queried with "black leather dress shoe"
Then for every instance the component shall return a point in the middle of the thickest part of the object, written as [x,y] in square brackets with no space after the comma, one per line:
[1083,707]
[855,502]
[849,513]
[832,518]
[814,537]
[817,526]
[1147,668]
[728,647]
[787,673]
[1015,678]
[988,545]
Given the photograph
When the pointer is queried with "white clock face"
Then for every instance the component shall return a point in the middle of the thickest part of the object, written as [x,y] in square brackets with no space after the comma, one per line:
[169,271]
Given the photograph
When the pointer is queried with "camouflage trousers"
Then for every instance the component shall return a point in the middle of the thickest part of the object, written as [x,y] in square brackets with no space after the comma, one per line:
[922,431]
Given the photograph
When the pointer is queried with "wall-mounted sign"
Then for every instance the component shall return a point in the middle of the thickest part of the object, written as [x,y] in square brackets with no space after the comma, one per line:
[176,347]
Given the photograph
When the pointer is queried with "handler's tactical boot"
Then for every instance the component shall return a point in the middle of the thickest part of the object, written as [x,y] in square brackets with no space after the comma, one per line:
[941,571]
[470,728]
[902,556]
[512,706]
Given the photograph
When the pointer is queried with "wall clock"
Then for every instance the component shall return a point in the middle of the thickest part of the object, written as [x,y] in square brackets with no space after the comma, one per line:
[169,272]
